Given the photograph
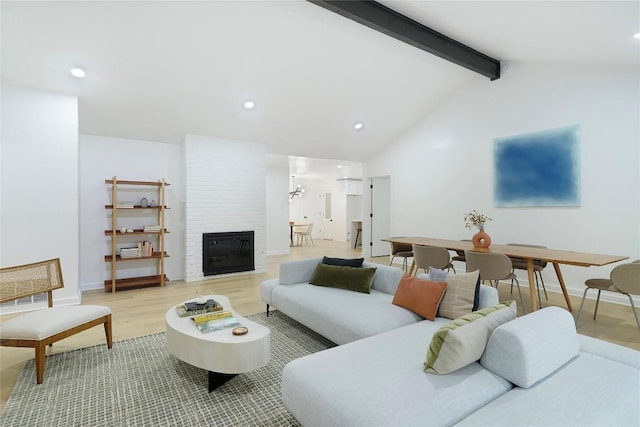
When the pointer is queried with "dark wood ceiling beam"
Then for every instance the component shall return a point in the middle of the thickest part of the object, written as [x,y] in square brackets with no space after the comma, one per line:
[378,17]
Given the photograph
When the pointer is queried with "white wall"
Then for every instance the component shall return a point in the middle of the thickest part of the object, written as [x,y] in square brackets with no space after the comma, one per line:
[103,158]
[225,191]
[39,182]
[443,167]
[277,205]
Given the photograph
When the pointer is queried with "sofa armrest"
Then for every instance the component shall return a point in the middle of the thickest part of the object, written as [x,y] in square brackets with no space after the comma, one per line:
[298,271]
[487,297]
[266,289]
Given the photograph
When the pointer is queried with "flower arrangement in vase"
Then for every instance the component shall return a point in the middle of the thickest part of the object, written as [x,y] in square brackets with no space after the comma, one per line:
[475,219]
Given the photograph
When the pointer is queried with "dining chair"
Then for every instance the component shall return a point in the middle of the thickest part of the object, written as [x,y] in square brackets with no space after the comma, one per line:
[431,256]
[624,279]
[301,236]
[401,250]
[538,266]
[459,256]
[493,267]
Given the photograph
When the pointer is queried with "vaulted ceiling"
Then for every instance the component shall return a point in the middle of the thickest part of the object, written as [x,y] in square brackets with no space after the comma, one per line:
[157,70]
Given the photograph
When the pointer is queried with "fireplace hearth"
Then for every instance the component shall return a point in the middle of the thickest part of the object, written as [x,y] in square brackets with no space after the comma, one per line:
[227,252]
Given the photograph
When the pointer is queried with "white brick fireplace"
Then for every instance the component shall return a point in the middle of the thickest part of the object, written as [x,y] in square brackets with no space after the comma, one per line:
[225,191]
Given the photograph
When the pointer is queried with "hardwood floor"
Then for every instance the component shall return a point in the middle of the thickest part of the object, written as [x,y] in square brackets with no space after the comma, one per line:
[141,312]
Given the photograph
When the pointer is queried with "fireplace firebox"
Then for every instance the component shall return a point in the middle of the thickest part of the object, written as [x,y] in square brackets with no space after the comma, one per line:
[227,252]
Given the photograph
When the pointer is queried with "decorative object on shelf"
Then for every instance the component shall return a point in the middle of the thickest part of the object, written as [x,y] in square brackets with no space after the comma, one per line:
[295,190]
[130,230]
[123,230]
[144,203]
[153,203]
[475,219]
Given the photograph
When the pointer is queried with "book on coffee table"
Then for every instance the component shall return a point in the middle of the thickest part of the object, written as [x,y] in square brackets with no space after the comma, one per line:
[215,321]
[191,308]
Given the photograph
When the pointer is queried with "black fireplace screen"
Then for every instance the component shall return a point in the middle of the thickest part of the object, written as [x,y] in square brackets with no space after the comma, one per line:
[227,252]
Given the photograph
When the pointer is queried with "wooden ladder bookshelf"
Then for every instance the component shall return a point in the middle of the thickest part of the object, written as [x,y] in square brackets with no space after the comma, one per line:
[159,255]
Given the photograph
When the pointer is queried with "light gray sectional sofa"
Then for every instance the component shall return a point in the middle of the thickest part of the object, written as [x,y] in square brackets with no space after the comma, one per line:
[536,370]
[340,315]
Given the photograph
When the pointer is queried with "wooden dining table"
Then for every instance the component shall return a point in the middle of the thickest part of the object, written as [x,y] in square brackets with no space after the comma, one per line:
[530,254]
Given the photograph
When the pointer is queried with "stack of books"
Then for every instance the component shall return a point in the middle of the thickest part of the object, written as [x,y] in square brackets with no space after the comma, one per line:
[151,229]
[129,253]
[124,205]
[215,321]
[145,248]
[192,308]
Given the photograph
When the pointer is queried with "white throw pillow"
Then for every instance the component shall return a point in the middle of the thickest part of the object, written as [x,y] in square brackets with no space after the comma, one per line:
[460,297]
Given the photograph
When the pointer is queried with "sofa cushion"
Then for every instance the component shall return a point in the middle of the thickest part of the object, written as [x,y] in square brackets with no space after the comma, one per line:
[386,278]
[589,391]
[340,315]
[353,262]
[338,276]
[437,275]
[298,271]
[462,341]
[461,295]
[41,324]
[529,348]
[419,295]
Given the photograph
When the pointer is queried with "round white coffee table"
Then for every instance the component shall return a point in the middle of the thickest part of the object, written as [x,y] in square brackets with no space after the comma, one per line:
[221,353]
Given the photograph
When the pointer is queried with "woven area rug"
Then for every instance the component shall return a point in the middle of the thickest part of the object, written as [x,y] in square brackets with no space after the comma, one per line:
[138,383]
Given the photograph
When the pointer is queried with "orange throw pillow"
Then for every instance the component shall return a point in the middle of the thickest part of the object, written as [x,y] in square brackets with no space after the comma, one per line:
[419,295]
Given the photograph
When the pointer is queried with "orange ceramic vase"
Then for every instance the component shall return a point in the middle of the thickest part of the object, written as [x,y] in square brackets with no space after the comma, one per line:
[481,239]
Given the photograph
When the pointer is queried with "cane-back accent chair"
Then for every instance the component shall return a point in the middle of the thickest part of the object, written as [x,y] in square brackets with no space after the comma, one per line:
[42,327]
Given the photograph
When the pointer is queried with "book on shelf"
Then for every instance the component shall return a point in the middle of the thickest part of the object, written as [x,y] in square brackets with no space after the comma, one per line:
[130,252]
[211,322]
[151,228]
[125,205]
[146,248]
[192,308]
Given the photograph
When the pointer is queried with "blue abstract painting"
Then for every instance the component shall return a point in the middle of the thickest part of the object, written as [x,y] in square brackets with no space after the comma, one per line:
[538,169]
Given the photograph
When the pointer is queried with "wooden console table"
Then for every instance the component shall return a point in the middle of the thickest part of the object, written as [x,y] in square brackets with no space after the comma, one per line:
[554,256]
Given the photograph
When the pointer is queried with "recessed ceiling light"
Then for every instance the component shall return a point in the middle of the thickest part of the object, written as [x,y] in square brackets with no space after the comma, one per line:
[358,126]
[637,35]
[249,105]
[339,166]
[78,72]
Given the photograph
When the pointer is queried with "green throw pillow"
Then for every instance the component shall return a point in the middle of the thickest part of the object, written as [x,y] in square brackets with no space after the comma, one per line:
[343,277]
[462,341]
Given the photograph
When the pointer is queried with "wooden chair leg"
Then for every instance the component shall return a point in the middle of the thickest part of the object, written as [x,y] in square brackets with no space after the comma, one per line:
[40,356]
[107,332]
